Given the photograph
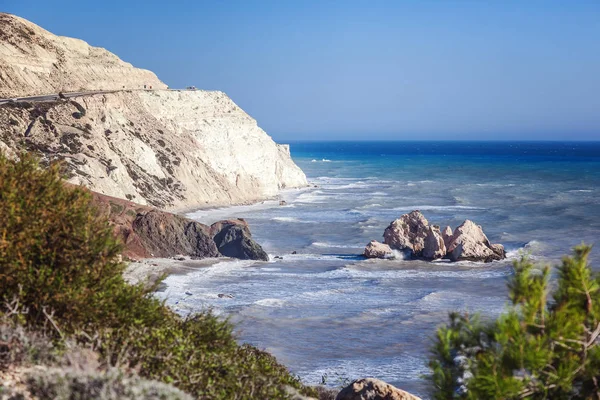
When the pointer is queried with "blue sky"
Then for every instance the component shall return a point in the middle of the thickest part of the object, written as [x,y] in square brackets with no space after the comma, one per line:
[364,69]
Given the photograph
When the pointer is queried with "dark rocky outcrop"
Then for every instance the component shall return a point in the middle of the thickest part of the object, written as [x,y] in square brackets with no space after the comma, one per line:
[233,239]
[148,232]
[411,233]
[165,235]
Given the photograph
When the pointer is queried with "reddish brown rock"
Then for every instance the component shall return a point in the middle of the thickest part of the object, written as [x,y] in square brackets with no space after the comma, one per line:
[165,235]
[148,232]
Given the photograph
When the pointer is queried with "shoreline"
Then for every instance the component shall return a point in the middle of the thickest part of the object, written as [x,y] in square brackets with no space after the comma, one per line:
[214,207]
[213,214]
[152,269]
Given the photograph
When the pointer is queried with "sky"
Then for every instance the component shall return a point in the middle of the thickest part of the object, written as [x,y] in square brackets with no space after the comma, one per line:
[364,70]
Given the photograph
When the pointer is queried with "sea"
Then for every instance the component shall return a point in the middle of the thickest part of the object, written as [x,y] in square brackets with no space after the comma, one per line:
[331,316]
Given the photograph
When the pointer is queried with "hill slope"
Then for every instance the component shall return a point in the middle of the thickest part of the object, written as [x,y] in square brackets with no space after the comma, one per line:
[35,61]
[169,149]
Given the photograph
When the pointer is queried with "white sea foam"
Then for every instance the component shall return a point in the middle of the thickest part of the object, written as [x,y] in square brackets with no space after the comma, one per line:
[437,208]
[476,272]
[285,219]
[270,302]
[316,196]
[336,246]
[355,185]
[495,184]
[372,205]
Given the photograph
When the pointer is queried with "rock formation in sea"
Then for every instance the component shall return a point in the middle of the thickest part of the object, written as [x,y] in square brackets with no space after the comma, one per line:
[447,236]
[165,148]
[434,246]
[470,243]
[412,233]
[377,250]
[407,233]
[373,389]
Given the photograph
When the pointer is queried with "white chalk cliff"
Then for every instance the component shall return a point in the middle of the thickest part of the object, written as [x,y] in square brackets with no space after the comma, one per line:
[34,61]
[170,149]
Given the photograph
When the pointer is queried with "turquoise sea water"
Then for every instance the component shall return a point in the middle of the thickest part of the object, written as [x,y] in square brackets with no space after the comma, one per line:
[326,311]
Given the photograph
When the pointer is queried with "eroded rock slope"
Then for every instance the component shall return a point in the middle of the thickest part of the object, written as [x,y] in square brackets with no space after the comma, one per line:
[170,149]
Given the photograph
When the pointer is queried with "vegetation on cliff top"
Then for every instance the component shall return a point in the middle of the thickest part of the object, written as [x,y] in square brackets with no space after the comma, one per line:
[543,347]
[60,275]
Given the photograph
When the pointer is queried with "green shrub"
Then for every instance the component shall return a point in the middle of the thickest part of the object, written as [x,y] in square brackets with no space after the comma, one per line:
[58,258]
[542,348]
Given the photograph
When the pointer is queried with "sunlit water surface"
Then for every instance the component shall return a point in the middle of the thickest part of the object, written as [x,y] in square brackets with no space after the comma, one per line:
[325,311]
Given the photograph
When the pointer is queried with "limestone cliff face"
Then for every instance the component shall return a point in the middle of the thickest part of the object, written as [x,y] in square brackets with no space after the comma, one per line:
[165,148]
[168,149]
[35,61]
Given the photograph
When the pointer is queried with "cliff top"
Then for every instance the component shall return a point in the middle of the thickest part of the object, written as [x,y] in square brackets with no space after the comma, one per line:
[34,61]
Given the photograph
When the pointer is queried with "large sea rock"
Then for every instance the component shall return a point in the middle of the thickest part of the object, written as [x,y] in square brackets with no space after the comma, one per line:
[373,389]
[408,233]
[412,233]
[469,243]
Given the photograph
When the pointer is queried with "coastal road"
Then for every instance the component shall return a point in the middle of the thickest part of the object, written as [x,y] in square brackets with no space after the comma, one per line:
[55,96]
[50,97]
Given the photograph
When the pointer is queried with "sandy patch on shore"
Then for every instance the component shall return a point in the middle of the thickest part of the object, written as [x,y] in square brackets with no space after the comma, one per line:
[151,269]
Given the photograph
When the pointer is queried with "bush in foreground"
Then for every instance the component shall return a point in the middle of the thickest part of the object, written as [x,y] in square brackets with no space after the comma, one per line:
[59,270]
[31,366]
[542,348]
[69,384]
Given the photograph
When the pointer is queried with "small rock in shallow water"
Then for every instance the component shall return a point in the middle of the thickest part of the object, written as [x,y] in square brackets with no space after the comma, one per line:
[377,250]
[294,252]
[225,296]
[373,389]
[188,292]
